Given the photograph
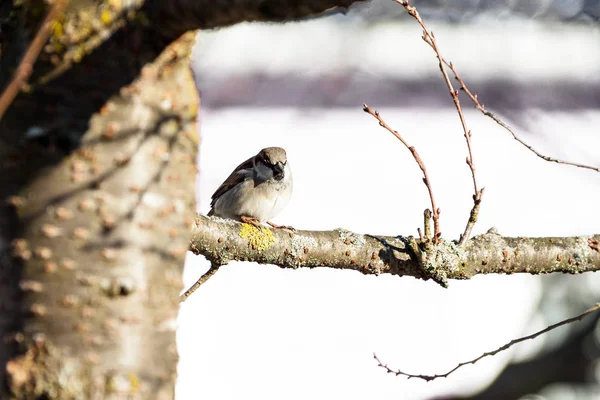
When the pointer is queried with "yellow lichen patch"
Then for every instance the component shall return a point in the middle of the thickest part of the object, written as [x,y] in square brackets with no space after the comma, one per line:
[57,29]
[259,238]
[134,381]
[106,17]
[78,54]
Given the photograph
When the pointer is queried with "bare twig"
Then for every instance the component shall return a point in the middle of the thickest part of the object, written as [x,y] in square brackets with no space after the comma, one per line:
[26,66]
[497,119]
[472,217]
[491,353]
[435,213]
[214,267]
[429,38]
[426,34]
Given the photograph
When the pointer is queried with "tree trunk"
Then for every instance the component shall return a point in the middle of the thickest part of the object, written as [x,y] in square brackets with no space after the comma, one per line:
[97,173]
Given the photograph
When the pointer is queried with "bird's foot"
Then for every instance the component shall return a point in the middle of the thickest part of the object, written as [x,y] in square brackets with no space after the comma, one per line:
[275,226]
[250,220]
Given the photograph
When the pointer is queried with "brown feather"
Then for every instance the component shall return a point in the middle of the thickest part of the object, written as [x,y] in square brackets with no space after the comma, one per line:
[232,180]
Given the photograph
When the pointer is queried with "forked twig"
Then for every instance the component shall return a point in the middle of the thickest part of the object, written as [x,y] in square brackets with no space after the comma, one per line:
[206,276]
[497,119]
[26,66]
[435,213]
[426,34]
[429,38]
[491,353]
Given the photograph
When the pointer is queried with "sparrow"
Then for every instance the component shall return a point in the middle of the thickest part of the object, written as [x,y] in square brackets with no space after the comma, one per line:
[257,190]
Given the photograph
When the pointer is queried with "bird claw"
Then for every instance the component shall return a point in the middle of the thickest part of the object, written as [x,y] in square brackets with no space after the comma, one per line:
[250,220]
[275,226]
[256,223]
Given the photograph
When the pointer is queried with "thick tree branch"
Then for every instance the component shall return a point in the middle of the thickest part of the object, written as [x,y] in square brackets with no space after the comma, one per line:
[87,32]
[221,241]
[177,16]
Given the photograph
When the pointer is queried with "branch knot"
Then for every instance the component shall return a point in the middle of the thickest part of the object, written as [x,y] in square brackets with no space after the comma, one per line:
[436,261]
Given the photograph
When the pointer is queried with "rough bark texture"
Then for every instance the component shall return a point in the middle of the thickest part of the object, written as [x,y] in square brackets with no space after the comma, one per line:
[101,226]
[221,241]
[97,169]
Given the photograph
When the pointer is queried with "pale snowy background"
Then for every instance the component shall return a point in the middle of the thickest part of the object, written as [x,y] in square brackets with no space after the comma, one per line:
[259,332]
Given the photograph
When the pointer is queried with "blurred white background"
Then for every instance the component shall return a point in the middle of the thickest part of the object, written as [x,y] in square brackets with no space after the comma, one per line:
[261,332]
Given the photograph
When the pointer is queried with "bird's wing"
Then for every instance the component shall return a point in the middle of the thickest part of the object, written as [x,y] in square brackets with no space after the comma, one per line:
[237,176]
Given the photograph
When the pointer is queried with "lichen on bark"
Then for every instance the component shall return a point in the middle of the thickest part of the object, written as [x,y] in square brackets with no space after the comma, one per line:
[402,256]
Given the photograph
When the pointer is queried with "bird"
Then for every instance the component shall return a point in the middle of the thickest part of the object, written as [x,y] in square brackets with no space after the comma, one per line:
[257,190]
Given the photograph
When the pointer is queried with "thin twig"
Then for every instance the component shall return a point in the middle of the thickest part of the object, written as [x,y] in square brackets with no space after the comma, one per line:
[26,66]
[497,119]
[472,218]
[491,353]
[214,267]
[435,211]
[429,38]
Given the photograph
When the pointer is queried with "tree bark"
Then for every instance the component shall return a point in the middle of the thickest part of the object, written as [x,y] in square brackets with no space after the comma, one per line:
[221,241]
[101,207]
[97,170]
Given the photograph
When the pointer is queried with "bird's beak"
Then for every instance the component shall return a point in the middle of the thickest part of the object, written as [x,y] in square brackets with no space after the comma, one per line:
[278,171]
